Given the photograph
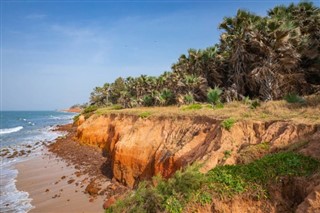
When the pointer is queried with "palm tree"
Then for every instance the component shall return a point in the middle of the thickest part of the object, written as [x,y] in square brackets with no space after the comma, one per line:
[165,97]
[260,57]
[213,96]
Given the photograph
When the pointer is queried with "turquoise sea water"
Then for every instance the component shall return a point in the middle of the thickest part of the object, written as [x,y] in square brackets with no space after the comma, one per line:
[19,129]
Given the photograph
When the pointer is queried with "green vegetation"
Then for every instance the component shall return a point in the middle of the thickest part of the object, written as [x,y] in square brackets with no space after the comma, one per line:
[76,118]
[144,114]
[227,154]
[90,109]
[254,104]
[192,187]
[192,107]
[213,96]
[115,107]
[294,98]
[228,123]
[257,57]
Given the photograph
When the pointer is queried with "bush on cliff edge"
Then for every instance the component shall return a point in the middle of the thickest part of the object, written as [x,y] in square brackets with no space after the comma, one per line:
[190,186]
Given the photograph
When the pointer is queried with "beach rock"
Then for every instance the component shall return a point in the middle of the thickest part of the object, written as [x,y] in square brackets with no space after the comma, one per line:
[92,189]
[109,202]
[4,152]
[71,181]
[15,154]
[22,152]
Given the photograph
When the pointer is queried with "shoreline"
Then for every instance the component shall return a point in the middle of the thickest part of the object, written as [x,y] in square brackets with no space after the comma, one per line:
[67,177]
[53,186]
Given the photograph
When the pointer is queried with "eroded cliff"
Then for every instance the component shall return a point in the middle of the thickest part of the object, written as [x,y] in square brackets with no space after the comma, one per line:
[140,148]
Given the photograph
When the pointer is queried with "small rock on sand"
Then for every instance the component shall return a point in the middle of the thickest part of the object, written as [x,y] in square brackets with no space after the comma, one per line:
[92,189]
[71,181]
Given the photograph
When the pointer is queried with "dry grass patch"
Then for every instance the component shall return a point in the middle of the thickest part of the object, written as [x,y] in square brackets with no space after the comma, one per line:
[308,112]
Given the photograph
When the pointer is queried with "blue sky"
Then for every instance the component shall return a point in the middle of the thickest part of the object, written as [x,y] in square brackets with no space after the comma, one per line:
[55,52]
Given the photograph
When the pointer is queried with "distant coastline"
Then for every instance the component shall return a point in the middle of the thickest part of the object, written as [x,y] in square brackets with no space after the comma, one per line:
[74,110]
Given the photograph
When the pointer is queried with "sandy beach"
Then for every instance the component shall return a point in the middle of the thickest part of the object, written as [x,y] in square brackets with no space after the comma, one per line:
[55,187]
[67,177]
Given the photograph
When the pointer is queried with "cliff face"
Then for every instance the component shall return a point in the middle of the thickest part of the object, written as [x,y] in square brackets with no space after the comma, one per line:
[141,148]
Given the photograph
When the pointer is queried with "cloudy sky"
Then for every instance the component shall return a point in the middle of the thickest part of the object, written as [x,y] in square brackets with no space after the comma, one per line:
[55,52]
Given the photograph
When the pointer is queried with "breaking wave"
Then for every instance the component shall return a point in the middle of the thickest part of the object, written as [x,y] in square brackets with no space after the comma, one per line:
[10,130]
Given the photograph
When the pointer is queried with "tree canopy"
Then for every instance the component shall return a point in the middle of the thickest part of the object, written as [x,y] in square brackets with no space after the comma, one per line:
[257,57]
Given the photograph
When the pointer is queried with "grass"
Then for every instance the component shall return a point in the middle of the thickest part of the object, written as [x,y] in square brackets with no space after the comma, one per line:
[228,123]
[115,107]
[254,104]
[192,107]
[192,187]
[227,154]
[144,115]
[307,113]
[253,152]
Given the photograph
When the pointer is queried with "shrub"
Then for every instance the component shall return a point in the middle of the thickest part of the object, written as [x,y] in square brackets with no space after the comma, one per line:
[233,179]
[228,123]
[293,98]
[191,186]
[90,109]
[213,96]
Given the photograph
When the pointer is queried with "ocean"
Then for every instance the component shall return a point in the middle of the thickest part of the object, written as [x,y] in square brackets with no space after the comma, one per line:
[21,131]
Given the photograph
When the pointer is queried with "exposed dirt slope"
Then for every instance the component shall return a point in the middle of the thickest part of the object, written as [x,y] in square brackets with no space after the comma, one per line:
[140,148]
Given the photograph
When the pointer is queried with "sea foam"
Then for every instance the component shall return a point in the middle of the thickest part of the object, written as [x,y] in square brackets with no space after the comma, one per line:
[10,130]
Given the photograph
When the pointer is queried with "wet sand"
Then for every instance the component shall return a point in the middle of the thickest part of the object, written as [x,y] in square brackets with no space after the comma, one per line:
[68,177]
[55,187]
